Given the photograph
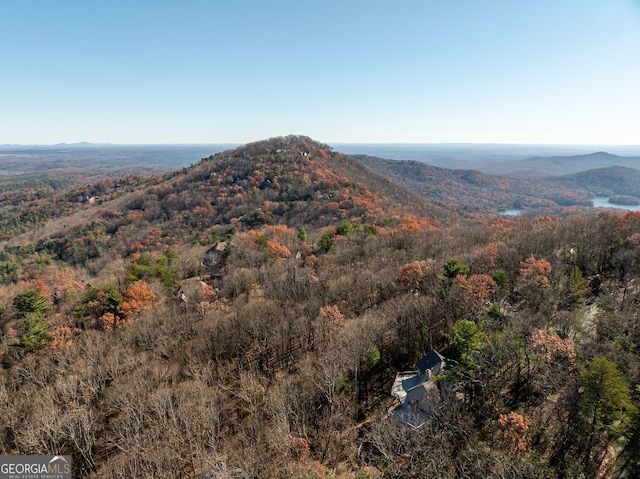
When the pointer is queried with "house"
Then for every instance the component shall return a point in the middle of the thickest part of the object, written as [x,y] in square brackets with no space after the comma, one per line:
[418,395]
[214,258]
[195,290]
[266,184]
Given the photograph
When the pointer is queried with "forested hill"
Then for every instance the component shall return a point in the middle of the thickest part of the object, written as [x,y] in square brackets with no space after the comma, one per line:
[615,180]
[291,180]
[474,191]
[304,181]
[246,318]
[564,165]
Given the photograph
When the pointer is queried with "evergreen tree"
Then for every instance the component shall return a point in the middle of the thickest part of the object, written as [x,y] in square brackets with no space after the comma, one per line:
[31,301]
[605,401]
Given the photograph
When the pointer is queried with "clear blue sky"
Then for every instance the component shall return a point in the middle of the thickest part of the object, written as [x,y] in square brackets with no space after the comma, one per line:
[208,71]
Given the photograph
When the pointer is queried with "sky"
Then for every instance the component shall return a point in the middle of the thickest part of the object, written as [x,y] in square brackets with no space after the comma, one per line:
[347,71]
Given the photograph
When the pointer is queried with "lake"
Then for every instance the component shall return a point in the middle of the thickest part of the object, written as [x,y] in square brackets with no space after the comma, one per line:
[598,202]
[511,212]
[603,202]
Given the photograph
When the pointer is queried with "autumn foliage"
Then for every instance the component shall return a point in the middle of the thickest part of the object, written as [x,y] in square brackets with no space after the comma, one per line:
[277,250]
[411,273]
[301,465]
[535,271]
[330,313]
[533,282]
[311,283]
[514,430]
[552,348]
[480,290]
[137,298]
[488,257]
[207,293]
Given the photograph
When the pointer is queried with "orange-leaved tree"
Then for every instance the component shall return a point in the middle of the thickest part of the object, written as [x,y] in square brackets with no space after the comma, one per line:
[488,258]
[552,348]
[514,430]
[480,290]
[411,274]
[137,298]
[277,250]
[533,281]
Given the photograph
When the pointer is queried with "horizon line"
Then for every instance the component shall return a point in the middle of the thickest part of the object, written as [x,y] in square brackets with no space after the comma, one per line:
[380,143]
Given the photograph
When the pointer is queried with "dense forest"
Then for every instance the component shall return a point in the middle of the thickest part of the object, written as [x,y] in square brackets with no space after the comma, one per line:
[245,317]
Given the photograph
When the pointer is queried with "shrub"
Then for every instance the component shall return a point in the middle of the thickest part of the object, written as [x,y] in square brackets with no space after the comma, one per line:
[146,266]
[345,228]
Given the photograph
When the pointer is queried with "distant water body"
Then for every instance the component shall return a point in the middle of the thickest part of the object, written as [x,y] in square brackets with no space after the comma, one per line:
[598,202]
[603,202]
[511,212]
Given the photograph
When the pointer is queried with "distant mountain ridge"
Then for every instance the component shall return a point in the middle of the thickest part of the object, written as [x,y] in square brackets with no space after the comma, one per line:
[565,165]
[475,191]
[499,159]
[613,180]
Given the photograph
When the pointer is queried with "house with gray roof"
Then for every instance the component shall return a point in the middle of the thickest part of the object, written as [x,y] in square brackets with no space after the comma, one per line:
[418,394]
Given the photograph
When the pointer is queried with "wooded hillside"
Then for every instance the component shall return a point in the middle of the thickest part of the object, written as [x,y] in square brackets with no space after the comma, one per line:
[247,316]
[480,193]
[617,180]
